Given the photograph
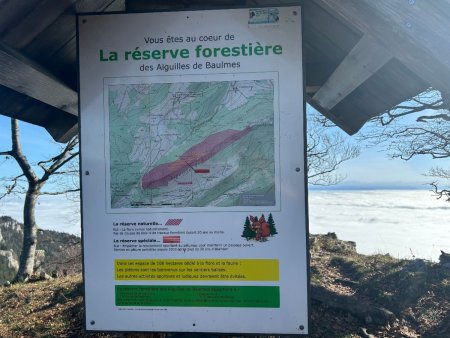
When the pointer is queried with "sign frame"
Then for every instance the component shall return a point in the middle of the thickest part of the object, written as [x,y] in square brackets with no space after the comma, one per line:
[85,173]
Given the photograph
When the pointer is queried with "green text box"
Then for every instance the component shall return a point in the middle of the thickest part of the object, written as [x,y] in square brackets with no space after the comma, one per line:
[198,296]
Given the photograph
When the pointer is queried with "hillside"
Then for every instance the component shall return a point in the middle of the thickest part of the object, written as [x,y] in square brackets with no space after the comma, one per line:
[352,296]
[57,252]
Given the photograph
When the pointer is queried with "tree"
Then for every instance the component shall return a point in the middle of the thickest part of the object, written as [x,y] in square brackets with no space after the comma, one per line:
[417,127]
[248,233]
[31,182]
[327,149]
[273,229]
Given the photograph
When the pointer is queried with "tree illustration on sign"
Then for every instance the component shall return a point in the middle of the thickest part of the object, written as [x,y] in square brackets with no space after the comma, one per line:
[273,229]
[248,233]
[258,228]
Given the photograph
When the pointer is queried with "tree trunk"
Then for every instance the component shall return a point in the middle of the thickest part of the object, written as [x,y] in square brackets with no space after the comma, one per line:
[27,257]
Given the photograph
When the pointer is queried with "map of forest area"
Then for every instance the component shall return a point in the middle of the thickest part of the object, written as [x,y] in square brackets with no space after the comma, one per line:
[191,144]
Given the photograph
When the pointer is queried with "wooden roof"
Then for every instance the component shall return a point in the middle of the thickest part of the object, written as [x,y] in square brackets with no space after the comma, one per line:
[361,56]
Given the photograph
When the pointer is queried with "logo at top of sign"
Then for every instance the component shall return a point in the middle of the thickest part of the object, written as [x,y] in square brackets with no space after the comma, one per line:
[259,229]
[263,16]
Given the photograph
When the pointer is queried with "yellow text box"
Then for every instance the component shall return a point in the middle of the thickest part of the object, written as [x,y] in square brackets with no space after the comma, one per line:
[197,269]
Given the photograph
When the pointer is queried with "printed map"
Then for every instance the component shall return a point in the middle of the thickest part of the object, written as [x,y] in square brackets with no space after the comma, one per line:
[191,144]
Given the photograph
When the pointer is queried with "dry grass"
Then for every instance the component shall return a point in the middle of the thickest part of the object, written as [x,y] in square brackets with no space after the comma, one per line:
[417,292]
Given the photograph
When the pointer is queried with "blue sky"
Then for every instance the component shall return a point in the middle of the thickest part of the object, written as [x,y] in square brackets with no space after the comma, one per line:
[374,169]
[36,144]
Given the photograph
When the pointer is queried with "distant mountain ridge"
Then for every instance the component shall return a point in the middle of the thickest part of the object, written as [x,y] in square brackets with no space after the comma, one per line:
[57,252]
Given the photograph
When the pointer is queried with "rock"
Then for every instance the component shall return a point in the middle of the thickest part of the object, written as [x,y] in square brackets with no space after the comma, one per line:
[358,307]
[8,265]
[44,276]
[417,265]
[347,282]
[365,334]
[331,235]
[39,260]
[444,258]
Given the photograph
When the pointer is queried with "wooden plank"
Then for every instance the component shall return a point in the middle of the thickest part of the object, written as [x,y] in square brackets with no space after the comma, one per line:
[423,23]
[61,125]
[115,6]
[327,29]
[392,84]
[61,129]
[44,46]
[35,22]
[366,58]
[63,30]
[12,11]
[24,77]
[149,5]
[312,89]
[396,26]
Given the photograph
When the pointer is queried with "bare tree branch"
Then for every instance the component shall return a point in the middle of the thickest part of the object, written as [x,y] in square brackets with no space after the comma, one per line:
[440,193]
[56,193]
[327,149]
[32,187]
[16,152]
[11,187]
[418,127]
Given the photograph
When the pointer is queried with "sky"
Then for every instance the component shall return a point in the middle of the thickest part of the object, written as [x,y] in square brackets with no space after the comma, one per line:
[52,212]
[374,169]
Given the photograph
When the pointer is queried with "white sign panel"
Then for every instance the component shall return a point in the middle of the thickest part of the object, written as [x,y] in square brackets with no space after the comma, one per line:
[193,173]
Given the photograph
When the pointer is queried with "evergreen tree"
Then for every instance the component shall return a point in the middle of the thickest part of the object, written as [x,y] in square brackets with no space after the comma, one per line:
[273,230]
[248,233]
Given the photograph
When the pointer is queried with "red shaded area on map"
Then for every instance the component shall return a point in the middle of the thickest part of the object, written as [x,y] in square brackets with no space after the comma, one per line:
[171,239]
[201,152]
[201,171]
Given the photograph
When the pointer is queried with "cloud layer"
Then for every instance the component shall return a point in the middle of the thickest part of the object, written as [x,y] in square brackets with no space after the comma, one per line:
[403,223]
[52,213]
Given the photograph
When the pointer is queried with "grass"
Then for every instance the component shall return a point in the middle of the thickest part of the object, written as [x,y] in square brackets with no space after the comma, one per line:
[417,292]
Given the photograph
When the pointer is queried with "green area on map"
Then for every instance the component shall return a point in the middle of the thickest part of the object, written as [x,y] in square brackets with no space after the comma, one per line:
[152,125]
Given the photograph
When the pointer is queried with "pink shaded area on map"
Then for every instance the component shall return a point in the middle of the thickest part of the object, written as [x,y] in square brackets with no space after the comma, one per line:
[201,152]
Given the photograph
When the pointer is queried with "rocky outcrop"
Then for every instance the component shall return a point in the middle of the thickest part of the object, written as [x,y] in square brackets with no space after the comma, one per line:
[8,266]
[55,251]
[444,259]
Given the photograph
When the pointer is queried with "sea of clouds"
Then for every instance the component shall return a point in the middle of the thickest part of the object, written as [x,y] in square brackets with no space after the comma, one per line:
[403,223]
[52,213]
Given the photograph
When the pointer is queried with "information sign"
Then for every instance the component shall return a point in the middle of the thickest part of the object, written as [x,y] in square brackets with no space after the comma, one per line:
[193,171]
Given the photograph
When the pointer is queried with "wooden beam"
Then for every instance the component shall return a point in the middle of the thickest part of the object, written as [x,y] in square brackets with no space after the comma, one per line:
[366,58]
[343,124]
[312,89]
[62,133]
[35,22]
[12,11]
[416,32]
[23,76]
